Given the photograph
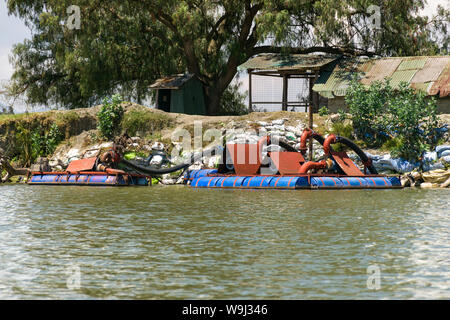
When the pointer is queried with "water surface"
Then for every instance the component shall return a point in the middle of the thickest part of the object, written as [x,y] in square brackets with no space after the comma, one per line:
[174,242]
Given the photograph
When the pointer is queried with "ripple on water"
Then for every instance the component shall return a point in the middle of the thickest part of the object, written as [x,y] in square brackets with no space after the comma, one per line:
[177,242]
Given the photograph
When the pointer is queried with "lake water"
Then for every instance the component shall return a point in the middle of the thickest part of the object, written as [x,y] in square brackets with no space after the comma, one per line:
[174,242]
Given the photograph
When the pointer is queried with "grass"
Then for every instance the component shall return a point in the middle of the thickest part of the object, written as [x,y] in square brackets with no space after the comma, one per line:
[145,121]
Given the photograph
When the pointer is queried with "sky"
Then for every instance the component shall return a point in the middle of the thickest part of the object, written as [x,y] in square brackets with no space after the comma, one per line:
[13,30]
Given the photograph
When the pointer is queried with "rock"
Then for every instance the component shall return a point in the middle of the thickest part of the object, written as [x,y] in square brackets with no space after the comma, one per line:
[445,184]
[262,131]
[146,147]
[416,175]
[168,181]
[279,127]
[196,166]
[135,139]
[41,165]
[405,181]
[429,185]
[278,122]
[436,176]
[156,160]
[290,136]
[263,123]
[297,146]
[277,133]
[335,117]
[69,160]
[73,153]
[91,153]
[272,148]
[213,161]
[158,146]
[135,145]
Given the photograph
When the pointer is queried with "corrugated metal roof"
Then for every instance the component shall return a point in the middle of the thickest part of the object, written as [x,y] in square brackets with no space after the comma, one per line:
[171,82]
[432,70]
[431,74]
[381,69]
[272,61]
[442,84]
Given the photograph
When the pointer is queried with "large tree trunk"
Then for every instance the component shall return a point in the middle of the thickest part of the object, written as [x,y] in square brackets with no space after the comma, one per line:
[213,96]
[10,170]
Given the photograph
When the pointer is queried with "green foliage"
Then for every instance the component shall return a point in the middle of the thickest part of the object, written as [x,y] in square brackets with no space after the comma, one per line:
[343,129]
[323,111]
[23,138]
[110,116]
[368,107]
[233,101]
[125,45]
[144,122]
[36,142]
[382,112]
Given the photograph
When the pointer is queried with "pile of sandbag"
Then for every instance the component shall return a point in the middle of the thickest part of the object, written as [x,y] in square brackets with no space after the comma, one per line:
[432,160]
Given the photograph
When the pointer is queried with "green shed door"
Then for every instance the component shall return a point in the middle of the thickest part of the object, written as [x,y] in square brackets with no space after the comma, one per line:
[194,100]
[177,101]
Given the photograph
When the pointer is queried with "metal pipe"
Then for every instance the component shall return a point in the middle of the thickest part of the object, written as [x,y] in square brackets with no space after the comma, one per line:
[312,165]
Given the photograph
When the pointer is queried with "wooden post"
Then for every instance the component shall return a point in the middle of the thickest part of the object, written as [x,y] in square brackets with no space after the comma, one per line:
[250,107]
[313,106]
[285,93]
[310,117]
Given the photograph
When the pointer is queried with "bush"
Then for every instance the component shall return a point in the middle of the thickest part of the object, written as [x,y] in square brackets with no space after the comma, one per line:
[323,111]
[144,121]
[36,142]
[343,129]
[110,116]
[368,107]
[233,101]
[381,112]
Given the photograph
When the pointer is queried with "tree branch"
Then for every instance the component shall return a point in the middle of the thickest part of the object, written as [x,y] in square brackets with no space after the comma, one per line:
[332,50]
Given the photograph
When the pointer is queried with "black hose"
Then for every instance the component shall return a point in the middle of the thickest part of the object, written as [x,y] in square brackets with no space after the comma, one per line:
[284,144]
[151,171]
[361,154]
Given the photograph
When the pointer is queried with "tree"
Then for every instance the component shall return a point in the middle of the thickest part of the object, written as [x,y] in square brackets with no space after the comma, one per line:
[123,45]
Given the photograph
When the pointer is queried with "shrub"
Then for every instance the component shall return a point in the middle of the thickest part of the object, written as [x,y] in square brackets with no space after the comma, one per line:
[367,107]
[381,112]
[323,111]
[343,129]
[110,116]
[233,101]
[36,142]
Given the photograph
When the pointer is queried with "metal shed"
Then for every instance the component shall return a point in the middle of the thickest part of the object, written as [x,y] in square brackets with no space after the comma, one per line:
[182,93]
[428,73]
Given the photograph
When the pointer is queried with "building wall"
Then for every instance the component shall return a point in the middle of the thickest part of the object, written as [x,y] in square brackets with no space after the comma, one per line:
[444,105]
[335,104]
[339,103]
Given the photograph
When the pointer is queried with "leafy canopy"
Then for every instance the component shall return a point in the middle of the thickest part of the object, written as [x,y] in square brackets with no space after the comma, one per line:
[124,45]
